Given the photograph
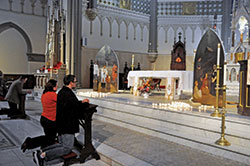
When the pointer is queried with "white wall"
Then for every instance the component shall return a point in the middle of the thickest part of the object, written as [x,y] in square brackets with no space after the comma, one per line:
[96,40]
[13,48]
[13,52]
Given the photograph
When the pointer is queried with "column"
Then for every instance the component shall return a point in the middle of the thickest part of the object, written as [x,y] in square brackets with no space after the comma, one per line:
[153,32]
[248,34]
[22,4]
[73,37]
[166,34]
[233,37]
[226,23]
[141,26]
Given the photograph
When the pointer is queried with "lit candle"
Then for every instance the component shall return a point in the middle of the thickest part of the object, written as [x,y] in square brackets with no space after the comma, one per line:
[133,59]
[225,74]
[218,55]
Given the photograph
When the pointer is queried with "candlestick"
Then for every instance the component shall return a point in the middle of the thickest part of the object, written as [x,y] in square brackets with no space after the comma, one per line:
[133,59]
[218,55]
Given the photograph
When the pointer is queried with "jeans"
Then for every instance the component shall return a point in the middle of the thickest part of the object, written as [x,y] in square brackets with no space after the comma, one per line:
[65,145]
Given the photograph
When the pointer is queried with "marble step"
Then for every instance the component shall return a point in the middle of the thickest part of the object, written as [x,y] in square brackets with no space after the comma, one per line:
[197,121]
[174,128]
[232,152]
[189,128]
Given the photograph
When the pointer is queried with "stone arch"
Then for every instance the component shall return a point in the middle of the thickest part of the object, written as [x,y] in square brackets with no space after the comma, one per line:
[8,25]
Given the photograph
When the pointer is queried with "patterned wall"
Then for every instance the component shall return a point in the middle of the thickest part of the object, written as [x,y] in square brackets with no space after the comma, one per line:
[190,8]
[141,6]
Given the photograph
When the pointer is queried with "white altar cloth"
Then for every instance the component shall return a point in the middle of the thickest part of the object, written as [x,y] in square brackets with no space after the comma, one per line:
[185,77]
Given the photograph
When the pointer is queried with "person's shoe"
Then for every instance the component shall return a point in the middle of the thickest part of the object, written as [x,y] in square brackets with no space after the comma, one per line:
[37,159]
[24,146]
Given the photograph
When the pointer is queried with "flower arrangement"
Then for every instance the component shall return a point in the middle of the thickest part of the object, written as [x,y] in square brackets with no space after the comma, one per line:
[55,67]
[145,88]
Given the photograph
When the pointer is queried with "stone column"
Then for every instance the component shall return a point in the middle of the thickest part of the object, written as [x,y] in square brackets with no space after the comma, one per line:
[22,4]
[73,37]
[226,23]
[248,34]
[141,26]
[233,36]
[153,32]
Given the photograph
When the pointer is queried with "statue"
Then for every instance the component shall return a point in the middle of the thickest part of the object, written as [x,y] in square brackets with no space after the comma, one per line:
[104,73]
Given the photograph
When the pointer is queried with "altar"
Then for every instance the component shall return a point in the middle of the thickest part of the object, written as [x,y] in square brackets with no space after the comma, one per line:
[175,81]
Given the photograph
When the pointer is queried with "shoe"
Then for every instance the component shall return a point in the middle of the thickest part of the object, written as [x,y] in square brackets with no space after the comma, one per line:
[24,146]
[37,159]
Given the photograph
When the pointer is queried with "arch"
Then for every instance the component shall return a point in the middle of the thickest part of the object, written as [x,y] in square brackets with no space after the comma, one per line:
[8,25]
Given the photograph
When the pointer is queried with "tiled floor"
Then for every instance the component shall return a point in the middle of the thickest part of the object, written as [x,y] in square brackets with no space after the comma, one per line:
[149,149]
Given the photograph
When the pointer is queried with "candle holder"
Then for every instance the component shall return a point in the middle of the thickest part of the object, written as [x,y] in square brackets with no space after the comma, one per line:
[222,141]
[132,67]
[217,113]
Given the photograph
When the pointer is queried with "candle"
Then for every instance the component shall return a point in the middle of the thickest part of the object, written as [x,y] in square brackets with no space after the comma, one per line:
[133,59]
[225,74]
[218,55]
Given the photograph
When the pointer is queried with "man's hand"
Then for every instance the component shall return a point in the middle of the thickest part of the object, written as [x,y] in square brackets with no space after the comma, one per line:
[85,101]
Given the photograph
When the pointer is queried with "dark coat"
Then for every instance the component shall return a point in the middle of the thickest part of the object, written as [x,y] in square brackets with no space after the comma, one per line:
[67,112]
[14,92]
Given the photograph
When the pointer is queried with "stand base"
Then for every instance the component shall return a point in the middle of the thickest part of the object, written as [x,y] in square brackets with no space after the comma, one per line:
[216,113]
[223,142]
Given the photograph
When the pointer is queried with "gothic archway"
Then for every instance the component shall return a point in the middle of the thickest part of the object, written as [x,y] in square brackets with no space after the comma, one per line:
[8,25]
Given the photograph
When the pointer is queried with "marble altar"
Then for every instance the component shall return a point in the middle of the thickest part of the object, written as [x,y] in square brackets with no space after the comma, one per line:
[185,79]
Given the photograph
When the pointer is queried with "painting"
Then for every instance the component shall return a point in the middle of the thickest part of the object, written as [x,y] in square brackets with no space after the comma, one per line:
[205,69]
[107,68]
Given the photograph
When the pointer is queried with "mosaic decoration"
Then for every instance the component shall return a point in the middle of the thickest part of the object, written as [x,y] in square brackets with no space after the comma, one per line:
[140,6]
[190,8]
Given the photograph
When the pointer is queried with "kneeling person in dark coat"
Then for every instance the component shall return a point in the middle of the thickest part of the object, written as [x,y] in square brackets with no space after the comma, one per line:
[67,113]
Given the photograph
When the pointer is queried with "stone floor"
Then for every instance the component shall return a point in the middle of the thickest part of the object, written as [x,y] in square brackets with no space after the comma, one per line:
[144,148]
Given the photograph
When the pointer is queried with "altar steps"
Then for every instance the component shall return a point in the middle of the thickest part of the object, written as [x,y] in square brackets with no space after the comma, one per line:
[194,129]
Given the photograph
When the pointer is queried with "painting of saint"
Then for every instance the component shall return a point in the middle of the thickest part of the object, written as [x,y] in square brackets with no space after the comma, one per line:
[205,69]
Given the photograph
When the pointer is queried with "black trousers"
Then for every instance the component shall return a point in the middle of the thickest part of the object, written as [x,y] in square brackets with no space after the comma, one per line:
[49,128]
[13,109]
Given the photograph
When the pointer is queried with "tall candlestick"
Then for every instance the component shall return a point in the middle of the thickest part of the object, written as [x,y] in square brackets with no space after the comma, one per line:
[133,59]
[218,55]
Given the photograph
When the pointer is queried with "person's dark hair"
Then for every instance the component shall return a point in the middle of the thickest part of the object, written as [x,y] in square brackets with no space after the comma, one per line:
[49,86]
[68,78]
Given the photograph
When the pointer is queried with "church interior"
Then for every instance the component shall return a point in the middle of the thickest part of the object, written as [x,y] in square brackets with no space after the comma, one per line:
[173,69]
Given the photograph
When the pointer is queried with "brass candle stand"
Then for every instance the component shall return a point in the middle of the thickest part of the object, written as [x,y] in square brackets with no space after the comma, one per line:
[132,67]
[217,113]
[222,141]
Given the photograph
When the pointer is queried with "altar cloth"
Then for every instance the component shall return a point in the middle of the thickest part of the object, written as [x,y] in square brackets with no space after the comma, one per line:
[185,77]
